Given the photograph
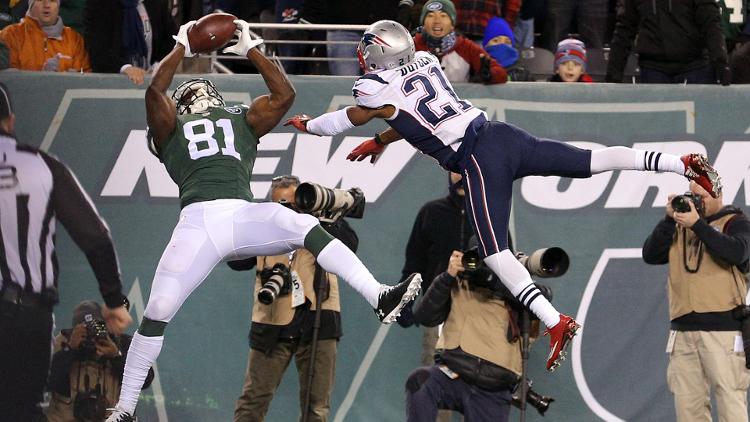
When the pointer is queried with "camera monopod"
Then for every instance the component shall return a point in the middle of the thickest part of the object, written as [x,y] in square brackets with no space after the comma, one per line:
[321,282]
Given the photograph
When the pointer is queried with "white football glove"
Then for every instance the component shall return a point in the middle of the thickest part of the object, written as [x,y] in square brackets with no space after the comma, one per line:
[245,41]
[182,37]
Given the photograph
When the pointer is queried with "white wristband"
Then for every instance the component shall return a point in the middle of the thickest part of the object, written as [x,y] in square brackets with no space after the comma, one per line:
[330,123]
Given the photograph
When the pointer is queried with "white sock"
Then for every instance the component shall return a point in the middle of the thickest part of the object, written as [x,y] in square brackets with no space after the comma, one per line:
[624,158]
[141,356]
[338,259]
[518,280]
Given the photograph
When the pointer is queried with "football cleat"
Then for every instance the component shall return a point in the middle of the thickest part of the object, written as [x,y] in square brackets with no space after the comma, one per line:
[392,299]
[698,170]
[118,415]
[560,337]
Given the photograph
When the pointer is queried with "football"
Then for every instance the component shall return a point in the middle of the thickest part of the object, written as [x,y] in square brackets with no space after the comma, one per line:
[211,32]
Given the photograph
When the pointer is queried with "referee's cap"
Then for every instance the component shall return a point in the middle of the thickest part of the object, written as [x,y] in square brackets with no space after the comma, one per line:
[5,107]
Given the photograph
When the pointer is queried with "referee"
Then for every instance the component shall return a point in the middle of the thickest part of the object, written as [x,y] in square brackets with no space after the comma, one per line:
[35,191]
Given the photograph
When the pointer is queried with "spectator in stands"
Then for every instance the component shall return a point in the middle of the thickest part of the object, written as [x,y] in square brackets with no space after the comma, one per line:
[461,59]
[12,11]
[524,28]
[590,17]
[570,62]
[128,36]
[41,41]
[677,42]
[71,12]
[733,19]
[350,12]
[499,41]
[473,15]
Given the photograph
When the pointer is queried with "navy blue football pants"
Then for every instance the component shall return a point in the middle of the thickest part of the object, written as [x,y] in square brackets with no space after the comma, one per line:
[503,153]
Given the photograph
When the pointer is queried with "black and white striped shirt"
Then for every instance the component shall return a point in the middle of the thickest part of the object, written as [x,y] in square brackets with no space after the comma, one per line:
[36,190]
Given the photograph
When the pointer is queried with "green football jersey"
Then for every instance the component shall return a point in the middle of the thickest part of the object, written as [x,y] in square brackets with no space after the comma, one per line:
[211,155]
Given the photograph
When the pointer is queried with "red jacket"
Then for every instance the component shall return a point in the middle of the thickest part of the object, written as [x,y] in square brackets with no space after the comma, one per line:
[464,62]
[30,47]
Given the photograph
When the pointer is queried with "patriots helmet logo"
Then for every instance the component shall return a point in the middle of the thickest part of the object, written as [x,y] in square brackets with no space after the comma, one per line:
[369,39]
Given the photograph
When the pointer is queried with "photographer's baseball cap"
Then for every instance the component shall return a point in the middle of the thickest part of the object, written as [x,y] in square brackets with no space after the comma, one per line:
[84,308]
[5,107]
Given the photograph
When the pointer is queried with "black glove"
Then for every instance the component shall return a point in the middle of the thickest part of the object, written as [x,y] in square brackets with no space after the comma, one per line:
[723,74]
[484,68]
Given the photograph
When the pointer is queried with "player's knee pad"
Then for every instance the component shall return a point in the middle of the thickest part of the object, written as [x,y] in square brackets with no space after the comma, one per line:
[417,378]
[151,328]
[161,307]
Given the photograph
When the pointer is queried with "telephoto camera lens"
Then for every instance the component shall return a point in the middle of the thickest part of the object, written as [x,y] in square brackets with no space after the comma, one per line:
[547,262]
[681,203]
[276,281]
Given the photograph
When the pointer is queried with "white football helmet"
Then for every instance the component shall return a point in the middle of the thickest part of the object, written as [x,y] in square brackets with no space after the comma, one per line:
[385,45]
[196,96]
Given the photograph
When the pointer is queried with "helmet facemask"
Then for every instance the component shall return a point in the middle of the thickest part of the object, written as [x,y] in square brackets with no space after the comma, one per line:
[196,96]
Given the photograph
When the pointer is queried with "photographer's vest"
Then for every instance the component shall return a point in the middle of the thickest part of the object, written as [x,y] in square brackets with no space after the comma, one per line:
[280,312]
[478,323]
[715,287]
[61,407]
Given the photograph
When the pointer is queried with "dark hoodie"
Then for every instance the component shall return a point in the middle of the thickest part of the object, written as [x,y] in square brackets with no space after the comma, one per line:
[674,36]
[440,228]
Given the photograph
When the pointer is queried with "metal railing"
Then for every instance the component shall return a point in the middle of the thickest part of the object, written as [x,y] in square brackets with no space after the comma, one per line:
[217,67]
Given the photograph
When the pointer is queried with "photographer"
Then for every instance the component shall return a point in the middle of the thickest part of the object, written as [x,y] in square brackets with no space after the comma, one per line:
[87,368]
[282,330]
[479,356]
[707,246]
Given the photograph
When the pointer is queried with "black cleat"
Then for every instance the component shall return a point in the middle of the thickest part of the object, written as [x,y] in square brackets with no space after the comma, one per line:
[392,299]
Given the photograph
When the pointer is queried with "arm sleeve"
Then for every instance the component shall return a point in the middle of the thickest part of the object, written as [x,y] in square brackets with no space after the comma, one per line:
[708,19]
[433,307]
[88,230]
[657,244]
[626,28]
[733,246]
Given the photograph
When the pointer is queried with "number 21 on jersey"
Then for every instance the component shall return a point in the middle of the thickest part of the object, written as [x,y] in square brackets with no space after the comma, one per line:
[203,143]
[431,113]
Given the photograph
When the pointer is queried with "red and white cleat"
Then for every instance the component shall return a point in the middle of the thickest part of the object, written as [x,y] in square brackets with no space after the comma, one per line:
[698,169]
[560,337]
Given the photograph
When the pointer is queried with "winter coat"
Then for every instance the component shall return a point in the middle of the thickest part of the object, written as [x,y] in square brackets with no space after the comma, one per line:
[30,47]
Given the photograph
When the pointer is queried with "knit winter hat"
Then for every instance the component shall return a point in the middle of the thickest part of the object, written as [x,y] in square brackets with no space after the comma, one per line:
[571,49]
[495,27]
[439,5]
[31,3]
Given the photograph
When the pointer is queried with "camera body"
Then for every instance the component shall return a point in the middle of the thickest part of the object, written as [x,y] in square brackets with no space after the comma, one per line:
[96,329]
[540,402]
[90,405]
[681,203]
[329,204]
[276,281]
